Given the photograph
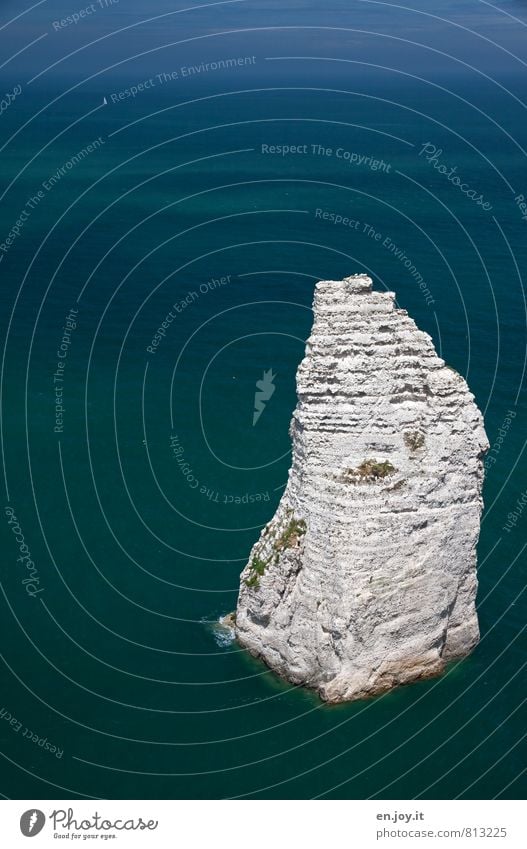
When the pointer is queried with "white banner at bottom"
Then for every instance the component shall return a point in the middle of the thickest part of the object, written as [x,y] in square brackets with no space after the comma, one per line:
[264,824]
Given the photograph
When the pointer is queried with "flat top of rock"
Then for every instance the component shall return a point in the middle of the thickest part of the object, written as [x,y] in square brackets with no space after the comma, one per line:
[353,285]
[358,283]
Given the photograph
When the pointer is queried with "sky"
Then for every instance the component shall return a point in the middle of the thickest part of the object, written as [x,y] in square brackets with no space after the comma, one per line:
[134,38]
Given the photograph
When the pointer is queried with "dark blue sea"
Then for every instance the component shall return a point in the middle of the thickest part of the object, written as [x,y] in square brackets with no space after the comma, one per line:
[148,288]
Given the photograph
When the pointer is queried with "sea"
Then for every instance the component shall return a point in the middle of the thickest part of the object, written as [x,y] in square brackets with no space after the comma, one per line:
[159,250]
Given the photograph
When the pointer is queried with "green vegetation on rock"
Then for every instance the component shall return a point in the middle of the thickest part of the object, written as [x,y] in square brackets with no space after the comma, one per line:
[369,470]
[414,439]
[291,536]
[257,567]
[252,581]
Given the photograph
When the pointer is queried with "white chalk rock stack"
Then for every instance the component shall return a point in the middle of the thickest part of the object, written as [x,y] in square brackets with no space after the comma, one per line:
[365,578]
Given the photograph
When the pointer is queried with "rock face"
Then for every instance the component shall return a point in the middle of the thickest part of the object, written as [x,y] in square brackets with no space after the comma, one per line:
[365,578]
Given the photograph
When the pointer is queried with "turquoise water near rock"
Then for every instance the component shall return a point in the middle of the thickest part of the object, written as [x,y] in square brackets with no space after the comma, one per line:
[140,510]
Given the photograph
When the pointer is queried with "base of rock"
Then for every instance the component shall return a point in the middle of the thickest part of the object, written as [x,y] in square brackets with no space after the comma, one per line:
[390,676]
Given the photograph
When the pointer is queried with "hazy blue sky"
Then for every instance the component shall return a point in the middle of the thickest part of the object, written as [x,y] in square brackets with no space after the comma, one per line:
[370,30]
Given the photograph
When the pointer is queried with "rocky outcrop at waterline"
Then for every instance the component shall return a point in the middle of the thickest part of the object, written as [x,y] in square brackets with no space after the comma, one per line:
[365,578]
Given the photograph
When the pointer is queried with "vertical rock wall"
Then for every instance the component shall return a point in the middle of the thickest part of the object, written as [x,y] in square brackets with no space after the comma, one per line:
[365,578]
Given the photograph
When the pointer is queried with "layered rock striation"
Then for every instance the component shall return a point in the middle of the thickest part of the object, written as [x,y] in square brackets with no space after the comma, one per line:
[365,578]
